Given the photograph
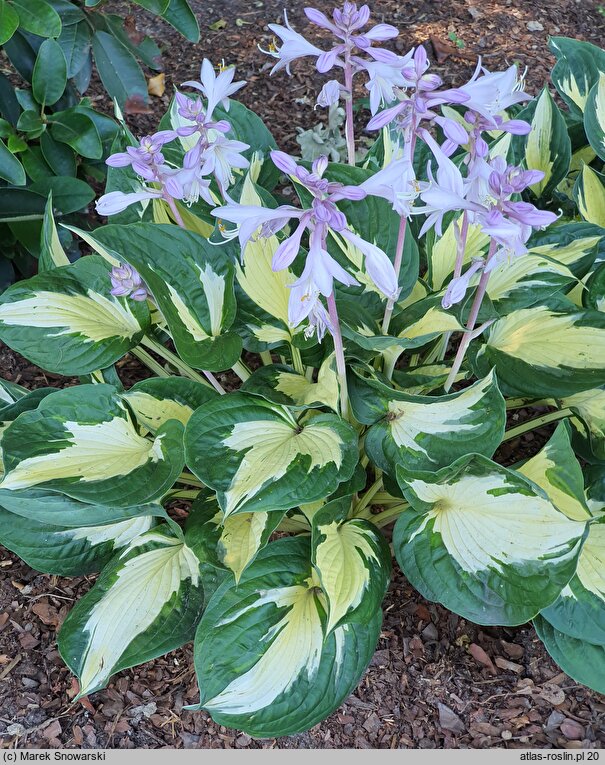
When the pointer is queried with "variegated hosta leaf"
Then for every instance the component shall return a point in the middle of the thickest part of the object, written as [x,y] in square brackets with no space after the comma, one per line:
[68,550]
[10,392]
[192,282]
[262,309]
[557,472]
[233,542]
[442,256]
[547,147]
[52,253]
[525,281]
[575,245]
[594,116]
[422,322]
[594,295]
[579,611]
[159,399]
[576,71]
[281,385]
[589,193]
[146,602]
[544,351]
[415,326]
[66,320]
[589,406]
[81,441]
[258,457]
[578,658]
[425,378]
[484,541]
[353,562]
[427,432]
[262,660]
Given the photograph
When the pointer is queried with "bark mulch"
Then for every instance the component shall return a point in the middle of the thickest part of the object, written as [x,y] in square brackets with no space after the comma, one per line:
[436,680]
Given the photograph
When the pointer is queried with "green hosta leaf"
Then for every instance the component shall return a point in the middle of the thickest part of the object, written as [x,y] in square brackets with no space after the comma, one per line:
[594,116]
[263,306]
[257,457]
[580,609]
[9,21]
[589,193]
[589,406]
[160,399]
[547,147]
[484,541]
[580,659]
[67,550]
[66,321]
[10,167]
[544,352]
[279,384]
[146,602]
[38,17]
[262,660]
[121,75]
[556,471]
[81,441]
[192,282]
[428,432]
[50,73]
[52,253]
[353,562]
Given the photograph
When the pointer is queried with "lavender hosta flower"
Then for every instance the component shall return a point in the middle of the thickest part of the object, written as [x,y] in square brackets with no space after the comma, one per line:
[117,201]
[216,89]
[419,103]
[397,184]
[293,47]
[329,94]
[189,184]
[346,24]
[446,192]
[220,157]
[491,93]
[193,110]
[127,282]
[384,79]
[322,218]
[305,303]
[458,287]
[144,157]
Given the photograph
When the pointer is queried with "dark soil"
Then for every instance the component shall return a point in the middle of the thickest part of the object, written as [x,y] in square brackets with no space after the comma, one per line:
[436,680]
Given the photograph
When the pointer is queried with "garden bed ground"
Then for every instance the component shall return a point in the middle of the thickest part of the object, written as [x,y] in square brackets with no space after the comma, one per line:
[436,680]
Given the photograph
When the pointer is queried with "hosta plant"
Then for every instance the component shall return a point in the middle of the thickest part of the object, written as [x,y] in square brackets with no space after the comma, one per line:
[330,383]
